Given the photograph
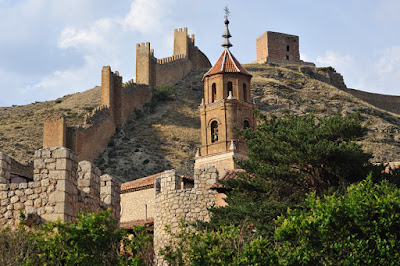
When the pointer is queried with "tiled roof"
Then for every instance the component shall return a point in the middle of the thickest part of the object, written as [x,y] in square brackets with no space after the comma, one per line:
[227,63]
[139,184]
[145,183]
[228,175]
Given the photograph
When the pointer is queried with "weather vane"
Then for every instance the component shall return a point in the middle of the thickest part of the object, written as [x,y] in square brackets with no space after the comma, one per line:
[227,12]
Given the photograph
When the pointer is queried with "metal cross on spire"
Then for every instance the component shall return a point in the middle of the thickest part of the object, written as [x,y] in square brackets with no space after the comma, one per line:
[227,12]
[226,34]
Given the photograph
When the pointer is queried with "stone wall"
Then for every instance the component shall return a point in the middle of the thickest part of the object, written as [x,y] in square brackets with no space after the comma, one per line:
[118,101]
[152,71]
[173,204]
[59,189]
[137,205]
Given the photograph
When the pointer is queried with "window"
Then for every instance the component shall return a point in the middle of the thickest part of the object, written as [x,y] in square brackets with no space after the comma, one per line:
[214,93]
[214,131]
[246,124]
[244,92]
[287,57]
[287,48]
[230,89]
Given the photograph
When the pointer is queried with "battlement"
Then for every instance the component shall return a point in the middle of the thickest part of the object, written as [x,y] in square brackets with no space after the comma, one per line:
[59,189]
[98,113]
[171,59]
[186,57]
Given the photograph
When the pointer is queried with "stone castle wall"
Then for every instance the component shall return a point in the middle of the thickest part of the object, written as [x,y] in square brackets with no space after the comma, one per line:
[118,101]
[59,189]
[174,204]
[152,71]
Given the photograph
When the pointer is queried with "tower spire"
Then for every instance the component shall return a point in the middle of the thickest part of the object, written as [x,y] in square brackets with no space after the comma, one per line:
[226,34]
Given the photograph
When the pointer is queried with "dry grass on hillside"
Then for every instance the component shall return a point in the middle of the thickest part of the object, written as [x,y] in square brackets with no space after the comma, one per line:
[21,127]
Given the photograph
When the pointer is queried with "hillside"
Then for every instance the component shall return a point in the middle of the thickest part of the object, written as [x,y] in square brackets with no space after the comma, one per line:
[166,136]
[21,127]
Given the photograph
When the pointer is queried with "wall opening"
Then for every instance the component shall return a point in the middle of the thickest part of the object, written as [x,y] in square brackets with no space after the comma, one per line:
[246,124]
[287,57]
[287,48]
[230,89]
[214,131]
[213,93]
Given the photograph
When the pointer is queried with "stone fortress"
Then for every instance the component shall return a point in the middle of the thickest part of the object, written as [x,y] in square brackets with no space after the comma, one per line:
[58,184]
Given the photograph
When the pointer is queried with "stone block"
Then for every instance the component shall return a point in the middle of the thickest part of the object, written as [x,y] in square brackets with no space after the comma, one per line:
[64,164]
[67,186]
[58,196]
[59,175]
[29,202]
[39,164]
[18,206]
[14,199]
[61,153]
[23,185]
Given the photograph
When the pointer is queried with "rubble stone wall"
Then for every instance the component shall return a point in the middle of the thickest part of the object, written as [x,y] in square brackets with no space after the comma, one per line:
[173,204]
[59,189]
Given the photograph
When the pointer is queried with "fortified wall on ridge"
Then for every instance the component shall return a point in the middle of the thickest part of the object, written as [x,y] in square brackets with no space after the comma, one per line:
[119,99]
[152,71]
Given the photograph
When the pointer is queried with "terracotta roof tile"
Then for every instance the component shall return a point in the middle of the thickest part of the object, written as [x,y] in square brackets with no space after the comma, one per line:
[227,63]
[138,184]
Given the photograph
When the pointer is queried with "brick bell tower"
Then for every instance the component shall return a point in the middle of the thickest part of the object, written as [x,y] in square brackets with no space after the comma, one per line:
[227,105]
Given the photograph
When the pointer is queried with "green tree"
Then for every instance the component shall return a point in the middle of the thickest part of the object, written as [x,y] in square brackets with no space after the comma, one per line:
[287,158]
[360,227]
[226,246]
[94,239]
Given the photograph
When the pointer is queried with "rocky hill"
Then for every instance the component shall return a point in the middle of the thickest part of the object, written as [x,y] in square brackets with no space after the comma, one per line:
[165,136]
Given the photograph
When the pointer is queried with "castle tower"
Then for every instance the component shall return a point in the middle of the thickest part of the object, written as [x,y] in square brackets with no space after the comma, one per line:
[227,105]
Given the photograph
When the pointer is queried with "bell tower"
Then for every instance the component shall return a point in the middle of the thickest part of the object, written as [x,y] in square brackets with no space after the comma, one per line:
[227,105]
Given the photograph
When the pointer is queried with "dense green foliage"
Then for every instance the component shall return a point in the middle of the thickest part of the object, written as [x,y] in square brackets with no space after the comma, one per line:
[360,227]
[92,240]
[287,158]
[226,246]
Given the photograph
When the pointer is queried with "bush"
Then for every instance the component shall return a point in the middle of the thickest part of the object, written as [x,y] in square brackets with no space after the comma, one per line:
[163,93]
[228,246]
[360,227]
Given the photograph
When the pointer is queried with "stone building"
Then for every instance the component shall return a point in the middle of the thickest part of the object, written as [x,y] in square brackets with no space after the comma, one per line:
[278,48]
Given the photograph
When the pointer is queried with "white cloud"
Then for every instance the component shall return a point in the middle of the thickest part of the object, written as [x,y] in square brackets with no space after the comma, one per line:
[147,16]
[105,41]
[336,60]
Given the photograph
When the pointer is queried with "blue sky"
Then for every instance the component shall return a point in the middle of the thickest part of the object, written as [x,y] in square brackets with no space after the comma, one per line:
[51,48]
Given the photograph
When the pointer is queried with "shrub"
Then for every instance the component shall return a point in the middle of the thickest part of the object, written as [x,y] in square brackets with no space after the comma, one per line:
[163,93]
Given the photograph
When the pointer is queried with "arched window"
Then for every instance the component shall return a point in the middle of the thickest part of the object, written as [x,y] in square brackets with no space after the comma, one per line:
[246,124]
[214,93]
[230,89]
[214,131]
[244,92]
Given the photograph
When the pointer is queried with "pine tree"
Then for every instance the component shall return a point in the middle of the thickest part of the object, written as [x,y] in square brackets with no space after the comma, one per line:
[287,158]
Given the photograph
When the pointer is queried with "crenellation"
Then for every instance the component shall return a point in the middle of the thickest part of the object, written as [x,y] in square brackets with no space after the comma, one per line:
[57,190]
